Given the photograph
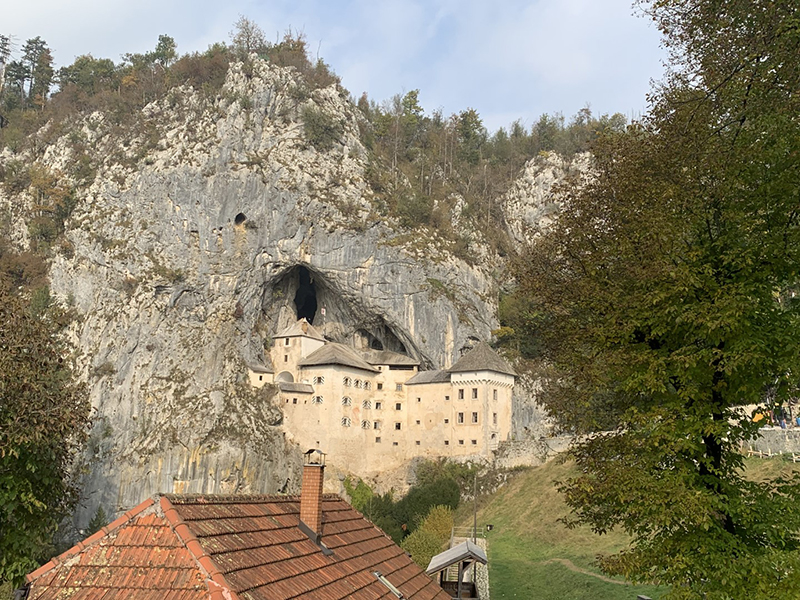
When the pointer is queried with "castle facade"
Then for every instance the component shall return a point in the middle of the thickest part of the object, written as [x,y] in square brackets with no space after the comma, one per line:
[375,409]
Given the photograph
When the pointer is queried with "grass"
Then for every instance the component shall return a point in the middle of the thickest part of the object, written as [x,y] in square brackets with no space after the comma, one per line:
[533,555]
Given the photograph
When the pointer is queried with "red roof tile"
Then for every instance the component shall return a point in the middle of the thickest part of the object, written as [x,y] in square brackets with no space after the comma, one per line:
[234,547]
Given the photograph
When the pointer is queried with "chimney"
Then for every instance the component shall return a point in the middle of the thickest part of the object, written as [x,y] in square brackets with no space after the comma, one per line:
[311,494]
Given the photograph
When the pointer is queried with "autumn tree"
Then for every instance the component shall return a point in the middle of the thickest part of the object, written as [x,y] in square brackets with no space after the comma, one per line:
[665,300]
[247,36]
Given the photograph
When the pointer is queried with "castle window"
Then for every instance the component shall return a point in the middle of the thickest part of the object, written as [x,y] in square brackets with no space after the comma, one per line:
[261,378]
[447,420]
[460,418]
[345,421]
[398,406]
[474,442]
[419,399]
[494,394]
[447,442]
[366,404]
[398,387]
[346,382]
[316,400]
[418,421]
[286,341]
[460,442]
[367,385]
[356,383]
[378,406]
[287,401]
[377,440]
[366,425]
[319,379]
[494,418]
[461,394]
[417,442]
[346,401]
[285,358]
[294,400]
[376,425]
[474,417]
[394,444]
[446,398]
[380,386]
[474,393]
[397,426]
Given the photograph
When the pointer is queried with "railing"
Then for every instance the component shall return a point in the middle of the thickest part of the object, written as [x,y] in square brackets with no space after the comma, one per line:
[467,532]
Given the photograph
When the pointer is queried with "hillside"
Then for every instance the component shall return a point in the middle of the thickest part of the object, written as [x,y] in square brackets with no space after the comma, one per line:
[533,555]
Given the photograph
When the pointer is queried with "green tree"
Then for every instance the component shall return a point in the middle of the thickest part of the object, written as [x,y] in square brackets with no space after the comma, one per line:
[44,417]
[666,292]
[89,74]
[430,536]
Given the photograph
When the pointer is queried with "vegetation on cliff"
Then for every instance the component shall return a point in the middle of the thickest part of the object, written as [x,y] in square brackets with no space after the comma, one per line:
[436,172]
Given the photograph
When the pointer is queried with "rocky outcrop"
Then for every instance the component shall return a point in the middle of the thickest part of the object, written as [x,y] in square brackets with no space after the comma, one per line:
[532,202]
[197,243]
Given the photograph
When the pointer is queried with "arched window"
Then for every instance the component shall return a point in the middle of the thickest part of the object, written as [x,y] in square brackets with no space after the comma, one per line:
[319,379]
[366,425]
[357,383]
[346,401]
[366,404]
[345,421]
[346,382]
[316,400]
[367,385]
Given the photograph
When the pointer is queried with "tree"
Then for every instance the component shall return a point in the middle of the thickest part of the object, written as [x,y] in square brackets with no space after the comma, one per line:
[166,51]
[248,37]
[666,292]
[429,538]
[44,416]
[89,74]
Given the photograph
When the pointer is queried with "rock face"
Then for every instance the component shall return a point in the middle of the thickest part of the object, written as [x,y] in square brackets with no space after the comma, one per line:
[189,253]
[532,202]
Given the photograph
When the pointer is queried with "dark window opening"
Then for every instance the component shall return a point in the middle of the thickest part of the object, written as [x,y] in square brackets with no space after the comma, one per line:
[305,299]
[239,219]
[376,344]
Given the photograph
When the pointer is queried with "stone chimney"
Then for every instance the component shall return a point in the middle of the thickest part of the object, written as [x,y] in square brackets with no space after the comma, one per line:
[311,494]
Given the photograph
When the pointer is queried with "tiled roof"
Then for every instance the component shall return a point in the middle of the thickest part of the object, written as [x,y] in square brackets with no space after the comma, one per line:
[336,354]
[256,368]
[137,556]
[301,328]
[429,377]
[482,358]
[387,357]
[245,547]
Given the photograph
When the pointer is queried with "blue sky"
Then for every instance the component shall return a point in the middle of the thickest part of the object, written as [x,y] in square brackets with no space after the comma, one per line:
[508,59]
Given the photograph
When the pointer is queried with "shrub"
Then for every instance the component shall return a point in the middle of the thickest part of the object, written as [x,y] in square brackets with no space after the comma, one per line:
[322,131]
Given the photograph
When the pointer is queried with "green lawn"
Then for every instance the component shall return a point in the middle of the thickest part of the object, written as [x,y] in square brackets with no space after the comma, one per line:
[530,552]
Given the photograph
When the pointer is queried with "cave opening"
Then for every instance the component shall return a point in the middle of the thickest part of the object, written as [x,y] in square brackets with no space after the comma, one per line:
[240,218]
[305,300]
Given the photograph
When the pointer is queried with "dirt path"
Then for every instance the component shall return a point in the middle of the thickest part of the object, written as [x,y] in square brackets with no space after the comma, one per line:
[572,567]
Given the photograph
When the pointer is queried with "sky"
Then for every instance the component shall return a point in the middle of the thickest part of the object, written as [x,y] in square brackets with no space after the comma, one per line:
[507,59]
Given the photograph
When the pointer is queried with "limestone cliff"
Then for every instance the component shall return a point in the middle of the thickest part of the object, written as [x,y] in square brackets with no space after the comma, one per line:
[200,237]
